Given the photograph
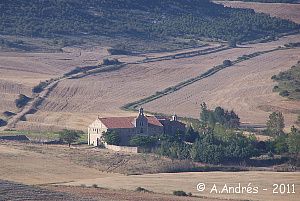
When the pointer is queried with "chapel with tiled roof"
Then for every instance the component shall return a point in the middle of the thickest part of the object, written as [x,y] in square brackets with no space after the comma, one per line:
[128,127]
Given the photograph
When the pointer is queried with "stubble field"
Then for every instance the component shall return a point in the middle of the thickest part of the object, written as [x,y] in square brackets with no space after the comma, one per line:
[75,171]
[74,103]
[281,10]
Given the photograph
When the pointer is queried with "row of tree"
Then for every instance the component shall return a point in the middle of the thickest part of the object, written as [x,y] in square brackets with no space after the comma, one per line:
[283,142]
[212,145]
[219,115]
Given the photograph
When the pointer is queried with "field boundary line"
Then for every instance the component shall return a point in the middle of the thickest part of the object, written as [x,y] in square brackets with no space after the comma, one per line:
[133,105]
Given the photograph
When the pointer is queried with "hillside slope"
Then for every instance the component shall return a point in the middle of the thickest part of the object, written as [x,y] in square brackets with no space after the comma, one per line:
[281,10]
[74,103]
[146,19]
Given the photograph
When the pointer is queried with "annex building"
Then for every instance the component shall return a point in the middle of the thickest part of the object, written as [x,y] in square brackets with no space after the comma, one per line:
[128,127]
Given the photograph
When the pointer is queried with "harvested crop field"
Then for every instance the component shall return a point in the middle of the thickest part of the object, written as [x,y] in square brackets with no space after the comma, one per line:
[74,103]
[188,181]
[243,87]
[34,172]
[15,191]
[63,173]
[30,165]
[280,10]
[120,195]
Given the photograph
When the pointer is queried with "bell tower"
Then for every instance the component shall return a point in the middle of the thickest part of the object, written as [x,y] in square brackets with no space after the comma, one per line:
[141,122]
[174,117]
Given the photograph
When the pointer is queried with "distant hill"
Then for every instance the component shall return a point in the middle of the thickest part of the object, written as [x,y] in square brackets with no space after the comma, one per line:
[138,18]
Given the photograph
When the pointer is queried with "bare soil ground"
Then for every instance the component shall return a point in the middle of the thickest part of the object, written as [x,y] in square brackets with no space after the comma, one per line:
[242,87]
[52,163]
[43,165]
[280,10]
[15,191]
[113,194]
[69,174]
[167,182]
[30,165]
[76,103]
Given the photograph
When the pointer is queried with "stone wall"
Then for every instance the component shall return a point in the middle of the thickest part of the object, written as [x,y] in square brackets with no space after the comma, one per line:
[122,148]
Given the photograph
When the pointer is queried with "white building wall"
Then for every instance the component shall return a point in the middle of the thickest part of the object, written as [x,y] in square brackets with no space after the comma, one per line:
[95,132]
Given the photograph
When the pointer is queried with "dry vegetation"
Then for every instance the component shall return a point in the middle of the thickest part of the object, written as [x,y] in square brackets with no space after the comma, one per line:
[29,164]
[43,165]
[242,87]
[16,191]
[281,10]
[52,162]
[167,182]
[77,102]
[119,195]
[74,103]
[82,167]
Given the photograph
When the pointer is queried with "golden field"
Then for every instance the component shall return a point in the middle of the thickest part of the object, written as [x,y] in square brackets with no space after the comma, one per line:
[74,103]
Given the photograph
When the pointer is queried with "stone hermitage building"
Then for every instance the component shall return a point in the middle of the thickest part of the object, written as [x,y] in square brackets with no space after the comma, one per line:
[128,127]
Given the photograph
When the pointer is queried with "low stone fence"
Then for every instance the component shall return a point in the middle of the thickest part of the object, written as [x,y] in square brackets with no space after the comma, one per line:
[122,148]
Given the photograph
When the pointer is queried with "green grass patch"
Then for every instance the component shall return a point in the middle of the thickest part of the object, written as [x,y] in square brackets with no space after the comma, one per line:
[83,139]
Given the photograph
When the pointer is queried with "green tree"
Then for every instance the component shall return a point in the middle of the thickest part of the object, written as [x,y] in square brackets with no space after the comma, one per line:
[232,43]
[294,141]
[3,122]
[190,135]
[204,115]
[179,135]
[111,137]
[227,63]
[143,141]
[219,115]
[22,100]
[69,136]
[297,122]
[275,124]
[281,145]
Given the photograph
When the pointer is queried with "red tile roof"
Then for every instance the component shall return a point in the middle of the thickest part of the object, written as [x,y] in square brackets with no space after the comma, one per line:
[127,122]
